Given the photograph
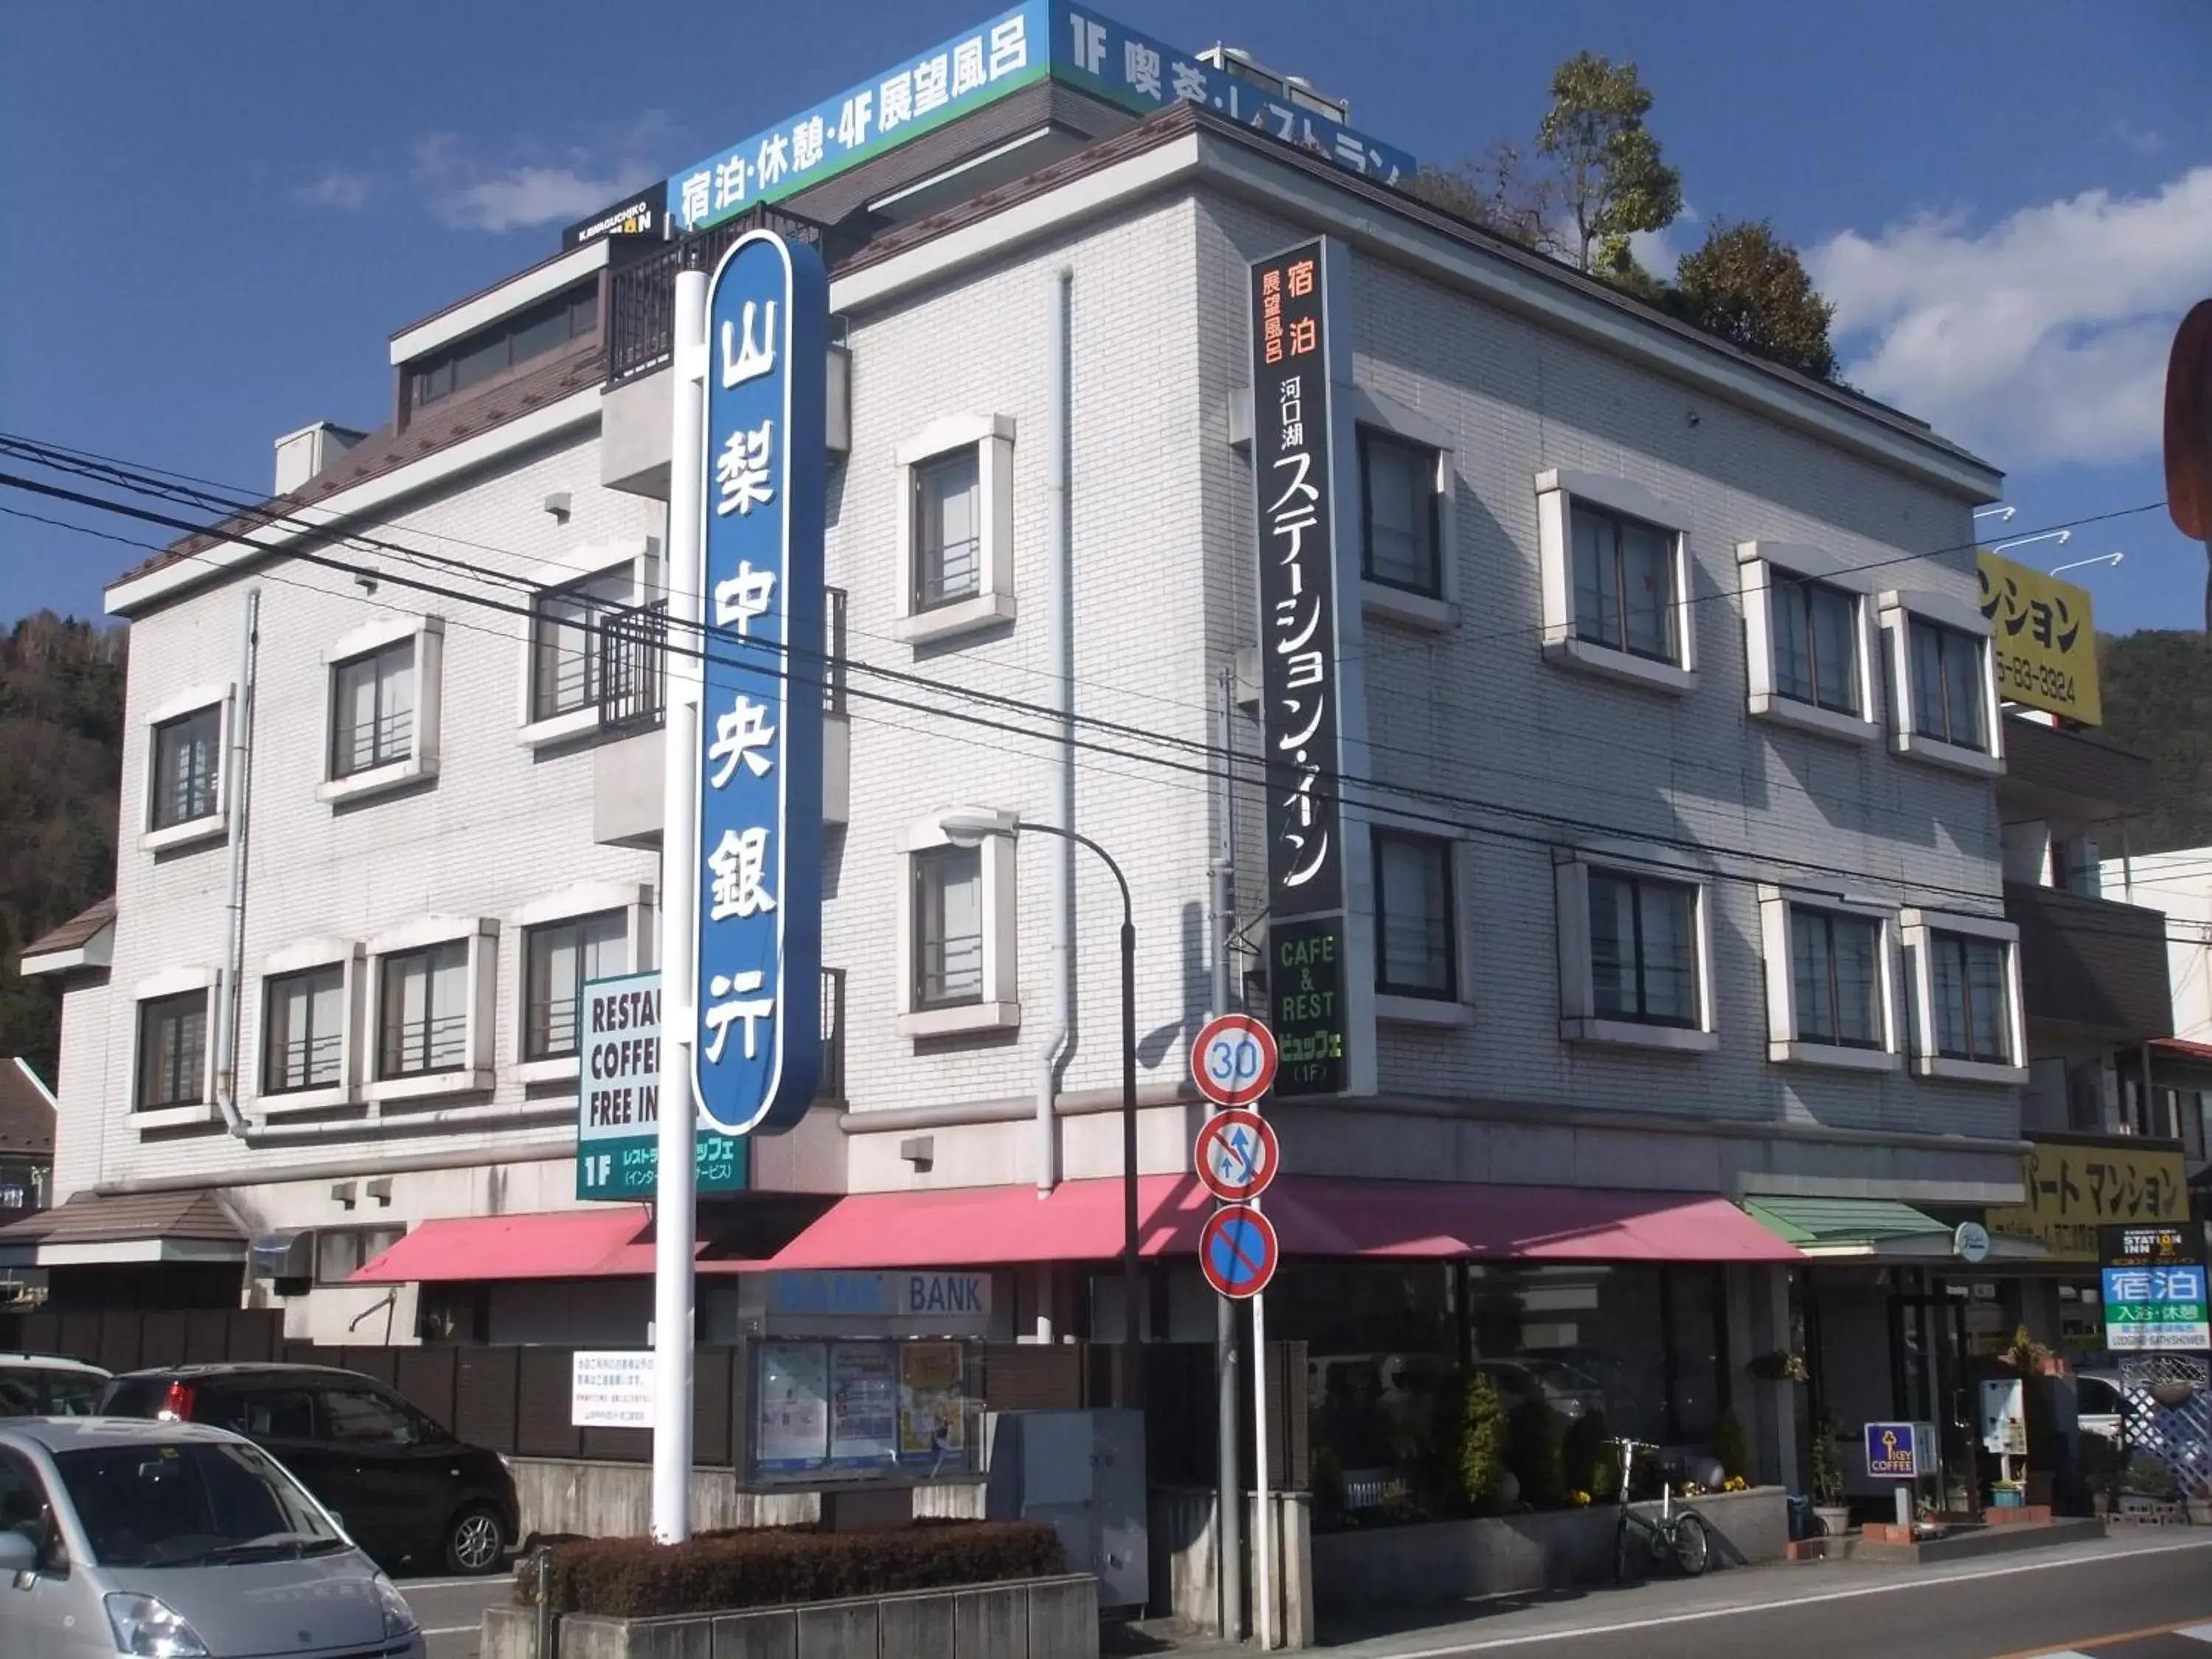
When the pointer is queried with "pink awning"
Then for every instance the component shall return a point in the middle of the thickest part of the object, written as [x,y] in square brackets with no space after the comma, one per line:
[1314,1215]
[560,1244]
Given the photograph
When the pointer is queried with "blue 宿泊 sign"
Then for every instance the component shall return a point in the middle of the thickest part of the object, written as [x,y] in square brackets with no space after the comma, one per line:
[756,1047]
[1070,43]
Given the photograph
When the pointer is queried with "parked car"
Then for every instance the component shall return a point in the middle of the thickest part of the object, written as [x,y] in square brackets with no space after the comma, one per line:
[175,1537]
[1564,1389]
[406,1486]
[2100,1401]
[48,1385]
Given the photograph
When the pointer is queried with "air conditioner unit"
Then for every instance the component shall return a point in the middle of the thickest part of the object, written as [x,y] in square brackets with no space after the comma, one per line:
[283,1255]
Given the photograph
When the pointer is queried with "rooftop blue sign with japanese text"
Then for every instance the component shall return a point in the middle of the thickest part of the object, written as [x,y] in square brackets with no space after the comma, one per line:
[1019,48]
[757,1048]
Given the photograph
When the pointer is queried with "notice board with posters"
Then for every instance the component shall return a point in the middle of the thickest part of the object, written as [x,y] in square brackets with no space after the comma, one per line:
[2155,1290]
[2045,639]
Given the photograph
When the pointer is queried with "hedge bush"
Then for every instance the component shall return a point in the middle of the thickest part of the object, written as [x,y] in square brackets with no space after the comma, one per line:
[775,1566]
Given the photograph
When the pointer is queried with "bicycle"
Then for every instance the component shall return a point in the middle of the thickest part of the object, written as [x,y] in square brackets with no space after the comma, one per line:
[1681,1533]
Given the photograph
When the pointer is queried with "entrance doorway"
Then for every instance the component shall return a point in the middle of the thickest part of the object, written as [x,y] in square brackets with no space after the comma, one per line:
[1927,1351]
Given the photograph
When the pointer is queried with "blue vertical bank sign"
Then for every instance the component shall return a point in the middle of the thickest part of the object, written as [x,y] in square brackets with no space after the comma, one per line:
[756,1049]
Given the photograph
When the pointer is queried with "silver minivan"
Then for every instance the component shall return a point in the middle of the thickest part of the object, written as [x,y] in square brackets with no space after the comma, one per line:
[177,1541]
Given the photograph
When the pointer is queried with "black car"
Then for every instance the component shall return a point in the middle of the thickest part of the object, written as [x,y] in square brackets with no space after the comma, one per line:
[405,1487]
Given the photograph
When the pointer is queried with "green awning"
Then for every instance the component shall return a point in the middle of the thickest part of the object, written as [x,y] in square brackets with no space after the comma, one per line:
[1850,1226]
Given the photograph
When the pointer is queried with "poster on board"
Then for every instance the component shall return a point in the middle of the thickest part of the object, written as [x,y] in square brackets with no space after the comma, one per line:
[933,1406]
[863,1404]
[792,1424]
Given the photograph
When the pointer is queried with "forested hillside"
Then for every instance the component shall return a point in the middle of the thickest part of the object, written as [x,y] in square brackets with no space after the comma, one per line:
[2158,700]
[61,730]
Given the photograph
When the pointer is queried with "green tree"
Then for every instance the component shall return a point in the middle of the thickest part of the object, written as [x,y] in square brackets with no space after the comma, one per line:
[1586,1464]
[1481,1440]
[61,744]
[1731,1445]
[1747,285]
[1612,180]
[2157,687]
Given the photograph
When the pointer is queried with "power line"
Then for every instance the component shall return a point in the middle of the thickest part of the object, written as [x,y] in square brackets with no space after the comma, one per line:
[1253,770]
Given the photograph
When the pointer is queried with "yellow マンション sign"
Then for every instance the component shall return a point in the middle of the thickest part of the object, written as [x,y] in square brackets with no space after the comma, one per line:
[2073,1189]
[2045,638]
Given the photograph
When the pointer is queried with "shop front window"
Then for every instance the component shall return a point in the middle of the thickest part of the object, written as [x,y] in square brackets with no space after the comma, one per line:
[857,1407]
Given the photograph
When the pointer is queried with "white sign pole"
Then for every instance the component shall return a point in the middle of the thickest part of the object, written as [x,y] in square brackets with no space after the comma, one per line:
[674,1205]
[1263,1531]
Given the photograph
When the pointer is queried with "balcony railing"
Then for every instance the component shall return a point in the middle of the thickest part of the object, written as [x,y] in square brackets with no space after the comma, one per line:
[642,294]
[2090,963]
[831,1084]
[633,647]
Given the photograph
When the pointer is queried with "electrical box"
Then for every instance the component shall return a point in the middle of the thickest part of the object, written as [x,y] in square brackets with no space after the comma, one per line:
[1082,1471]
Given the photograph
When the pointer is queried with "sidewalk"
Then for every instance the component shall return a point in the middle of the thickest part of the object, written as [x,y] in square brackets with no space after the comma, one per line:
[1513,1622]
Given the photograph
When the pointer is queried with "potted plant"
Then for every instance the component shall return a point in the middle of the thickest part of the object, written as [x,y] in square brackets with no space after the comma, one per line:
[1830,1506]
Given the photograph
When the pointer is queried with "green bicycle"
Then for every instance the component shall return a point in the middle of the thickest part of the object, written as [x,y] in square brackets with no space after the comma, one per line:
[1680,1534]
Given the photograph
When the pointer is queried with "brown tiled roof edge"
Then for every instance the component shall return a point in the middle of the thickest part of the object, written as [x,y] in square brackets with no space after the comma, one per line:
[77,932]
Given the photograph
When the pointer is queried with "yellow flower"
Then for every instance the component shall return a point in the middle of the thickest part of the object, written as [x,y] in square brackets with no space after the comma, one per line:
[1582,1497]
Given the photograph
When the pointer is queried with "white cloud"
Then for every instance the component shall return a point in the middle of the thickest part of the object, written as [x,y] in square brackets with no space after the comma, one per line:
[2141,140]
[1660,251]
[341,188]
[529,186]
[2041,338]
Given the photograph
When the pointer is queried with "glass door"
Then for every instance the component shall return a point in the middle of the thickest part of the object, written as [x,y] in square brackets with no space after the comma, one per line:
[1928,1348]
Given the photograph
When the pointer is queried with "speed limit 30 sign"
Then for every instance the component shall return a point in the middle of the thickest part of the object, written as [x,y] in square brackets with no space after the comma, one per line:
[1233,1060]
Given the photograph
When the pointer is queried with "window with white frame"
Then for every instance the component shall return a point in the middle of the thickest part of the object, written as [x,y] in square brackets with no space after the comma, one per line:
[1971,981]
[568,642]
[1625,597]
[423,1011]
[948,928]
[372,709]
[1816,632]
[187,757]
[303,1030]
[559,959]
[1415,916]
[1644,949]
[1836,973]
[173,1051]
[947,552]
[955,528]
[1949,701]
[1398,505]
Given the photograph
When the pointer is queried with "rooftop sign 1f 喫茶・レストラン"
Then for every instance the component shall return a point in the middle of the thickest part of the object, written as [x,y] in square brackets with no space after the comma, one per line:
[757,1043]
[1042,39]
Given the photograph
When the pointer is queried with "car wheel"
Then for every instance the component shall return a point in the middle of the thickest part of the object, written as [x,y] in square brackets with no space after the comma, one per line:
[476,1543]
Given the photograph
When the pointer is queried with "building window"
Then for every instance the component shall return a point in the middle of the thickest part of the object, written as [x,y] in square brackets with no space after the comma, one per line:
[560,958]
[173,1051]
[1644,949]
[423,1011]
[1624,576]
[1816,643]
[948,529]
[1974,1019]
[508,344]
[1414,916]
[187,752]
[1948,700]
[1398,514]
[373,712]
[342,1252]
[1835,962]
[567,643]
[948,927]
[303,1040]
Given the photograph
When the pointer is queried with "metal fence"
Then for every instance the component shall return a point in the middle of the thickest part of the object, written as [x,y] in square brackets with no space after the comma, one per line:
[633,647]
[642,294]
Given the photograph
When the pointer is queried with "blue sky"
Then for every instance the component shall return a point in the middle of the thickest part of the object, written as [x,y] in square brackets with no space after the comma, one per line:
[213,230]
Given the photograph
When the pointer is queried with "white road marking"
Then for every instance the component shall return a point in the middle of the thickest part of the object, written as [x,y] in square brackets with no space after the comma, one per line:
[2196,1633]
[454,1629]
[1733,1609]
[479,1582]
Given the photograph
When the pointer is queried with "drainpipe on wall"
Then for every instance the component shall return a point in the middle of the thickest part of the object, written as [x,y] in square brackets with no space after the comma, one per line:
[238,772]
[1060,650]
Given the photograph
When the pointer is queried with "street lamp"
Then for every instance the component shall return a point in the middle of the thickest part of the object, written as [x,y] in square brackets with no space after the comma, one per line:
[972,827]
[2001,515]
[2102,558]
[2061,536]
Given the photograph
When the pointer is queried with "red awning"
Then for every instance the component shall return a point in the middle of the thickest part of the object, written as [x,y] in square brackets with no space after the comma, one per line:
[2182,1049]
[1315,1215]
[563,1244]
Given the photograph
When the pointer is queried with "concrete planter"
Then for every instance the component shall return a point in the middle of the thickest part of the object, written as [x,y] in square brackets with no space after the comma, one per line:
[1028,1619]
[1455,1560]
[579,1497]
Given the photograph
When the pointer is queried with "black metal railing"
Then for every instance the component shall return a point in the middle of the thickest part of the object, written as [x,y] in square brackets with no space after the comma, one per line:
[642,294]
[833,667]
[831,1084]
[632,647]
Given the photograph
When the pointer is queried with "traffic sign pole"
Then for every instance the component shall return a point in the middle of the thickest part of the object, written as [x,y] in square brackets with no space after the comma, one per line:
[1263,1530]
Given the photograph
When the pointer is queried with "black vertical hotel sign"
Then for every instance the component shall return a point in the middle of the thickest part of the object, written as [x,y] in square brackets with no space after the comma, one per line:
[1293,482]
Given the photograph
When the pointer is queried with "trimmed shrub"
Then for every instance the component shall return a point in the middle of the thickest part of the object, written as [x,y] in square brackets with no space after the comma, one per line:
[1731,1445]
[1481,1440]
[1586,1463]
[777,1566]
[1532,1452]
